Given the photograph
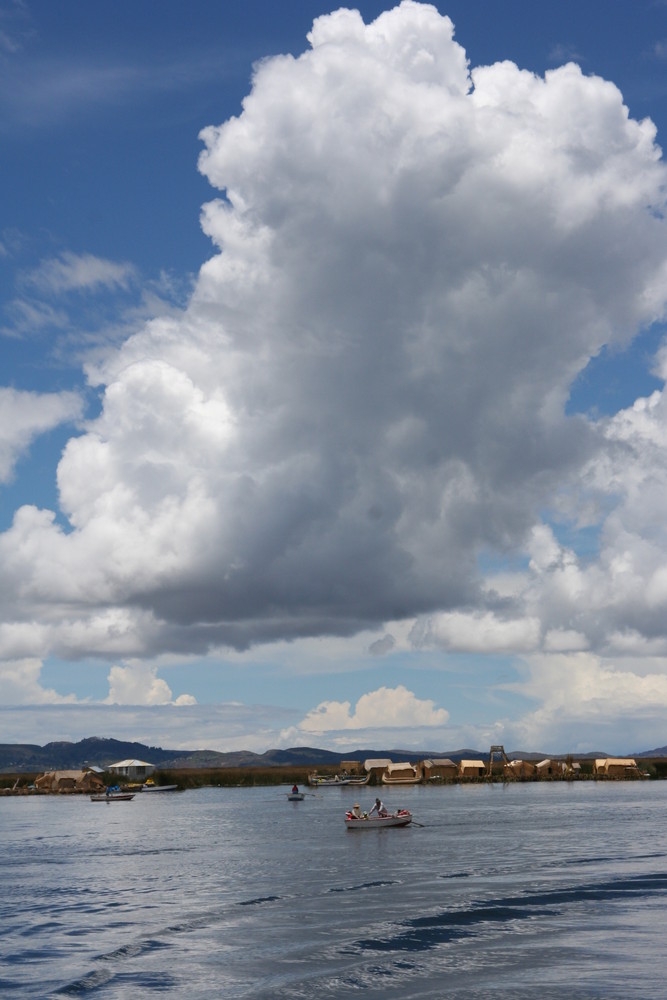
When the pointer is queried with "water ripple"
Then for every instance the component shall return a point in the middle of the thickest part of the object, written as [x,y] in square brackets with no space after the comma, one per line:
[424,933]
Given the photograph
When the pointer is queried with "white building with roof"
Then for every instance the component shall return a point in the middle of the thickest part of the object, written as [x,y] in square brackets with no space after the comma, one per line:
[133,769]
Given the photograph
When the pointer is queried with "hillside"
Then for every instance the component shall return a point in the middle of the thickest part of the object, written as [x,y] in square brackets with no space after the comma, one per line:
[100,751]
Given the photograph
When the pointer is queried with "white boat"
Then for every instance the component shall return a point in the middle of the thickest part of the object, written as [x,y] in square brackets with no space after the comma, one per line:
[296,796]
[401,818]
[159,788]
[112,797]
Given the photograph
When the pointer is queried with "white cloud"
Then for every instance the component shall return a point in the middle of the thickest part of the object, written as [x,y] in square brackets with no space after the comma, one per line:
[28,317]
[478,633]
[581,696]
[79,272]
[20,685]
[138,684]
[26,415]
[385,708]
[367,388]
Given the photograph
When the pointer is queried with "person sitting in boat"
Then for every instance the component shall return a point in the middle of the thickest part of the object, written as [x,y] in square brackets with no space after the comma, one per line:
[379,808]
[295,789]
[356,811]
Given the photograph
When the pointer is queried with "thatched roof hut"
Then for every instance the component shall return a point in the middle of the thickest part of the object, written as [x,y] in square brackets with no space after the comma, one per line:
[471,768]
[551,768]
[616,767]
[376,766]
[437,768]
[403,773]
[520,770]
[69,781]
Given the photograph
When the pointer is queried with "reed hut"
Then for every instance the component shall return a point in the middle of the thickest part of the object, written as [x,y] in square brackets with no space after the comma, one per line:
[519,770]
[472,769]
[401,774]
[551,768]
[616,767]
[375,767]
[439,769]
[69,781]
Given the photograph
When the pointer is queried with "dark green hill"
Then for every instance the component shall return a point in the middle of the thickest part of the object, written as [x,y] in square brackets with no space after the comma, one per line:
[96,750]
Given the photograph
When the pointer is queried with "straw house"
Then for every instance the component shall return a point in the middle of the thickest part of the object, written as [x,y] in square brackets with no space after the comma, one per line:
[519,770]
[439,768]
[616,767]
[376,766]
[471,769]
[551,768]
[401,774]
[69,781]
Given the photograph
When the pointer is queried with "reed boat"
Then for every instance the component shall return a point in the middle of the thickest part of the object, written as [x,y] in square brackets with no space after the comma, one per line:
[322,781]
[401,774]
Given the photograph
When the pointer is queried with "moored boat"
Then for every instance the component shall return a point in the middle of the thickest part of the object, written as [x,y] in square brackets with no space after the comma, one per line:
[323,781]
[112,797]
[403,817]
[149,787]
[401,774]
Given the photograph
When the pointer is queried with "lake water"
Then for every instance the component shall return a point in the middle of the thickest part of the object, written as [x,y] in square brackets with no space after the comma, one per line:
[517,891]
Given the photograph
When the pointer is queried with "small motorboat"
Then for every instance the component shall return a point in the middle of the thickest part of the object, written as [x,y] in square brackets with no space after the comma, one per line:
[295,796]
[112,797]
[401,818]
[150,787]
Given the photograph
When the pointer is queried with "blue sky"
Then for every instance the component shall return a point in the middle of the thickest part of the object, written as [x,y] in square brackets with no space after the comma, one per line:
[332,381]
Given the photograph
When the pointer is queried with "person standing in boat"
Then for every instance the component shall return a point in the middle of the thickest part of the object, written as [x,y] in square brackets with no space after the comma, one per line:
[379,808]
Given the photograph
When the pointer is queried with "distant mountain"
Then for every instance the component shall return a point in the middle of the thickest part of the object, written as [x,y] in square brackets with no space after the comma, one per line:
[101,752]
[660,752]
[64,756]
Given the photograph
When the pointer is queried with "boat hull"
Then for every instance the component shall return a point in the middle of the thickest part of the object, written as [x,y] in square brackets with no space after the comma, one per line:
[295,796]
[122,797]
[401,818]
[159,788]
[326,782]
[400,781]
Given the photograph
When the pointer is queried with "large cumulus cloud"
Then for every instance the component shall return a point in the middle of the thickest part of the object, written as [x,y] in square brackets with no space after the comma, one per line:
[367,390]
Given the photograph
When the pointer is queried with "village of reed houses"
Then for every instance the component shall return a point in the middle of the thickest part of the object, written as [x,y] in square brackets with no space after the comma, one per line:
[66,768]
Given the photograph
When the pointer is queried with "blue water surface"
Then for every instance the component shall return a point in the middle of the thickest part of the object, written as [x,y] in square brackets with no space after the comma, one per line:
[545,890]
